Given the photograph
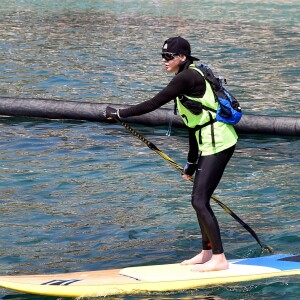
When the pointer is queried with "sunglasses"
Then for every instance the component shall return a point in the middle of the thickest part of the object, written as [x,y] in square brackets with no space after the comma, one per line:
[168,55]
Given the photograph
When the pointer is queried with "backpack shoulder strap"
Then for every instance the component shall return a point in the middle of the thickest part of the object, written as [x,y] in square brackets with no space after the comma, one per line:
[211,78]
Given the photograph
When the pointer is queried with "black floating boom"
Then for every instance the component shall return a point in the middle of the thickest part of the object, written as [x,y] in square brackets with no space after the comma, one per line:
[89,111]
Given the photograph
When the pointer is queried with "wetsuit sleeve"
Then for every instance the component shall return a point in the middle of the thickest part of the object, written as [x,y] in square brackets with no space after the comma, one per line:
[193,153]
[182,83]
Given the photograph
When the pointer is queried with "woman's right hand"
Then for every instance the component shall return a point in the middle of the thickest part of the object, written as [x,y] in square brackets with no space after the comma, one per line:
[188,170]
[186,177]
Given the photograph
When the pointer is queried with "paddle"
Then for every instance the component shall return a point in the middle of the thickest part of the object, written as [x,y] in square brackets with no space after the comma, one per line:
[179,168]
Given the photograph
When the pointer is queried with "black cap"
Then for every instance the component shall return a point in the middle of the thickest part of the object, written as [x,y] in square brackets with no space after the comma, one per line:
[178,45]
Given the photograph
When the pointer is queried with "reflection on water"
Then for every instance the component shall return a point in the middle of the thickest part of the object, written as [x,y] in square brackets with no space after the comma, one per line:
[100,55]
[82,196]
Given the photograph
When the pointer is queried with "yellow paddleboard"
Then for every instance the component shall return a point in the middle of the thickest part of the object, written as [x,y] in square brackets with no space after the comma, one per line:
[132,280]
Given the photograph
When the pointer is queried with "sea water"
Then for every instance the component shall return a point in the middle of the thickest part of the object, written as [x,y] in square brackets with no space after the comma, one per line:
[78,196]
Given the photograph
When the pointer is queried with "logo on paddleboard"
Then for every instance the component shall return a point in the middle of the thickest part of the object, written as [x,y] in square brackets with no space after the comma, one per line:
[60,282]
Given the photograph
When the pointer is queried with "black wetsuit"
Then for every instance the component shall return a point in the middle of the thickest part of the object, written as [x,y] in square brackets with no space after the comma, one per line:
[210,168]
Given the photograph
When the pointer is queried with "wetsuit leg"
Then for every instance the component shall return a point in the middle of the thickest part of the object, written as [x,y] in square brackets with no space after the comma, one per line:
[208,175]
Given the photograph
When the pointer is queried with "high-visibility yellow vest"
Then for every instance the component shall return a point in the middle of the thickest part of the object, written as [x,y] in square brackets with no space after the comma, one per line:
[212,136]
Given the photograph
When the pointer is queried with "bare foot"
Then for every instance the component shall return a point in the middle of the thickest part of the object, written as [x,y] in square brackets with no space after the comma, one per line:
[218,262]
[201,258]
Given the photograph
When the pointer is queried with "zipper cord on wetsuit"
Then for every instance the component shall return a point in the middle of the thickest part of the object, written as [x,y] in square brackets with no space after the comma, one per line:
[168,133]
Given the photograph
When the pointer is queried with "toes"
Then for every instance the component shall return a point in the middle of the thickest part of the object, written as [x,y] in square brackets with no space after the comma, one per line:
[186,262]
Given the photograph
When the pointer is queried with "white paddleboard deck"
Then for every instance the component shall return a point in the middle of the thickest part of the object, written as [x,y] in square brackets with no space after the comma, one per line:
[170,277]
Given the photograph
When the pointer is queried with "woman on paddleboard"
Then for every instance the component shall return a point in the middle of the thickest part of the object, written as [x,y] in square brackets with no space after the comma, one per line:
[211,144]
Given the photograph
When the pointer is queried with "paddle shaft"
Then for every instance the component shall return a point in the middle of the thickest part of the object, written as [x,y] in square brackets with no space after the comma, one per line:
[179,168]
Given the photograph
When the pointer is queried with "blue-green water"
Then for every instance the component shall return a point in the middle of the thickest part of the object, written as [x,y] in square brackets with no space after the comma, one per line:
[80,196]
